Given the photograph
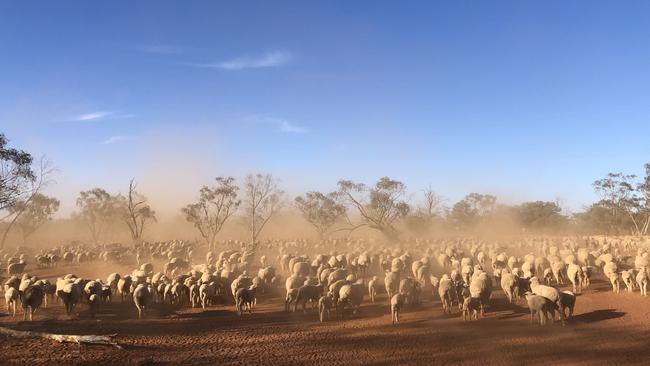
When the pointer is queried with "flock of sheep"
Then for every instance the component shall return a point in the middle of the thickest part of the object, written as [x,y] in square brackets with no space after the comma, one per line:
[460,273]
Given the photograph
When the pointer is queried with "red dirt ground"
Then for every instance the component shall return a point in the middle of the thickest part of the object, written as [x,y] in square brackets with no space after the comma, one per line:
[606,329]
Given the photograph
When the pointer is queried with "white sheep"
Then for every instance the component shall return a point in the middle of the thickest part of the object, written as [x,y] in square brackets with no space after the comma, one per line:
[396,305]
[11,299]
[642,280]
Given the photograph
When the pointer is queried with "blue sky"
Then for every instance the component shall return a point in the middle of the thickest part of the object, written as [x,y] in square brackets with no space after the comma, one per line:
[521,99]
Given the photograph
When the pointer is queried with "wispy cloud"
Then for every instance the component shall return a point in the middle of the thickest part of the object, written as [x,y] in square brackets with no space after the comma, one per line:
[286,126]
[272,59]
[163,49]
[96,116]
[93,116]
[281,124]
[117,139]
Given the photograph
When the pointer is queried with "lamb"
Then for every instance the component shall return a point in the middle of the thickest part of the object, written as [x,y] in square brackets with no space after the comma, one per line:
[93,304]
[11,299]
[471,308]
[642,281]
[32,300]
[548,292]
[141,299]
[244,299]
[540,306]
[396,304]
[325,305]
[308,293]
[615,280]
[586,275]
[372,288]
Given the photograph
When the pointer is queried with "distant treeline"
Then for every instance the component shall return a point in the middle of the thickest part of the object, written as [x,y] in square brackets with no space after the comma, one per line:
[383,207]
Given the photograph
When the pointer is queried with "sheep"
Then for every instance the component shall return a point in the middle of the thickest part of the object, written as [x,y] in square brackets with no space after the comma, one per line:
[586,275]
[351,295]
[325,304]
[372,288]
[292,296]
[70,293]
[141,299]
[574,273]
[11,299]
[194,295]
[510,286]
[481,288]
[206,292]
[407,287]
[548,292]
[568,302]
[628,278]
[16,268]
[445,289]
[32,300]
[244,299]
[642,281]
[308,293]
[540,306]
[124,286]
[558,269]
[615,280]
[93,304]
[396,305]
[391,281]
[471,308]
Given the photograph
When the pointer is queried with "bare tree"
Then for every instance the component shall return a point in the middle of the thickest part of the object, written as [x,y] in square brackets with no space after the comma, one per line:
[378,206]
[136,212]
[215,206]
[98,210]
[40,179]
[433,204]
[262,199]
[34,213]
[320,210]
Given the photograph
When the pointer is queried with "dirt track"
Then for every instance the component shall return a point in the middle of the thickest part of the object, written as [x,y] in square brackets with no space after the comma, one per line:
[607,328]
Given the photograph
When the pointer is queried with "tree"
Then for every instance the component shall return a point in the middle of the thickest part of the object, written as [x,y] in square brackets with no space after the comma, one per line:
[378,206]
[644,202]
[540,215]
[136,212]
[597,219]
[432,205]
[98,210]
[618,193]
[16,174]
[215,206]
[472,209]
[26,192]
[34,213]
[320,210]
[262,199]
